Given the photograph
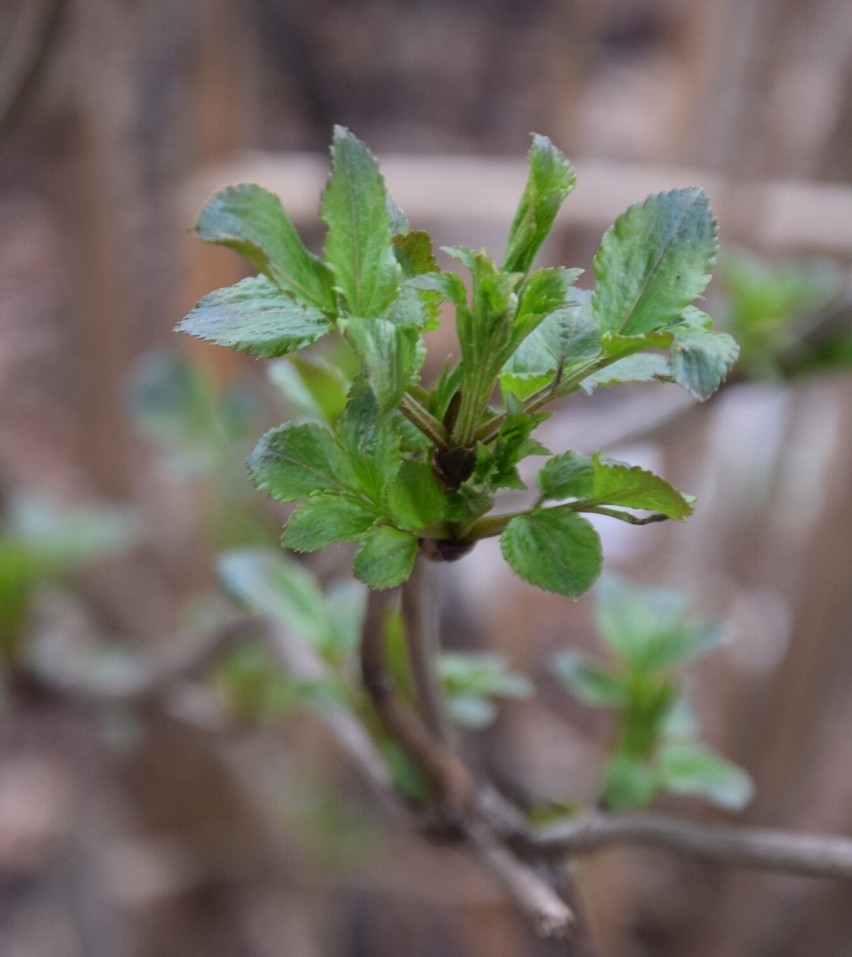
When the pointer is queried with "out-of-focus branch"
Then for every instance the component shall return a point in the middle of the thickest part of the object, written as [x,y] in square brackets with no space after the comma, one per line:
[454,782]
[495,830]
[743,847]
[549,914]
[420,615]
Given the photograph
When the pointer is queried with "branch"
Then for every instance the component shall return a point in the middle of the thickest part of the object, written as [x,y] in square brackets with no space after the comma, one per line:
[420,614]
[745,847]
[550,915]
[454,782]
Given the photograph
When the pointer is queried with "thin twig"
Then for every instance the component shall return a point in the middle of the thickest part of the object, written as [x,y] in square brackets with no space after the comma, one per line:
[454,782]
[304,664]
[530,892]
[745,847]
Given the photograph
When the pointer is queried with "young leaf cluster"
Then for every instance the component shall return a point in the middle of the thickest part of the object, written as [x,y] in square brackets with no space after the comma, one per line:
[649,635]
[399,466]
[329,620]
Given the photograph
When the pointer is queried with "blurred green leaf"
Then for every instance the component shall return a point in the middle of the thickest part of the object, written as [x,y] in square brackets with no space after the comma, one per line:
[650,628]
[565,341]
[694,769]
[267,582]
[590,682]
[630,783]
[314,386]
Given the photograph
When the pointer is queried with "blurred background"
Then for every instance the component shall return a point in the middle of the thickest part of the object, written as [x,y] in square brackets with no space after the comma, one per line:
[192,817]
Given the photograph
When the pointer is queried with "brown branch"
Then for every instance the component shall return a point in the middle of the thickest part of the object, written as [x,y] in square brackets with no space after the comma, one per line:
[744,847]
[550,915]
[419,612]
[454,782]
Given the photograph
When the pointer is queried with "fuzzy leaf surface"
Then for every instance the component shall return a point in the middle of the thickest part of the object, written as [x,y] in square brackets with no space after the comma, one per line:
[653,262]
[550,180]
[292,461]
[256,317]
[555,549]
[414,497]
[605,482]
[386,558]
[633,487]
[359,242]
[566,340]
[641,367]
[370,445]
[252,221]
[390,356]
[701,358]
[325,518]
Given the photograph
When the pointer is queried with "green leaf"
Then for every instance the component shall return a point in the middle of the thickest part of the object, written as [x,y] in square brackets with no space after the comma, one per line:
[485,331]
[389,354]
[565,341]
[567,475]
[252,221]
[630,783]
[514,443]
[544,292]
[641,367]
[415,499]
[386,558]
[701,358]
[550,180]
[650,628]
[555,549]
[358,245]
[313,386]
[293,461]
[267,582]
[591,683]
[695,769]
[616,483]
[256,317]
[601,481]
[480,673]
[325,518]
[653,262]
[414,253]
[369,443]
